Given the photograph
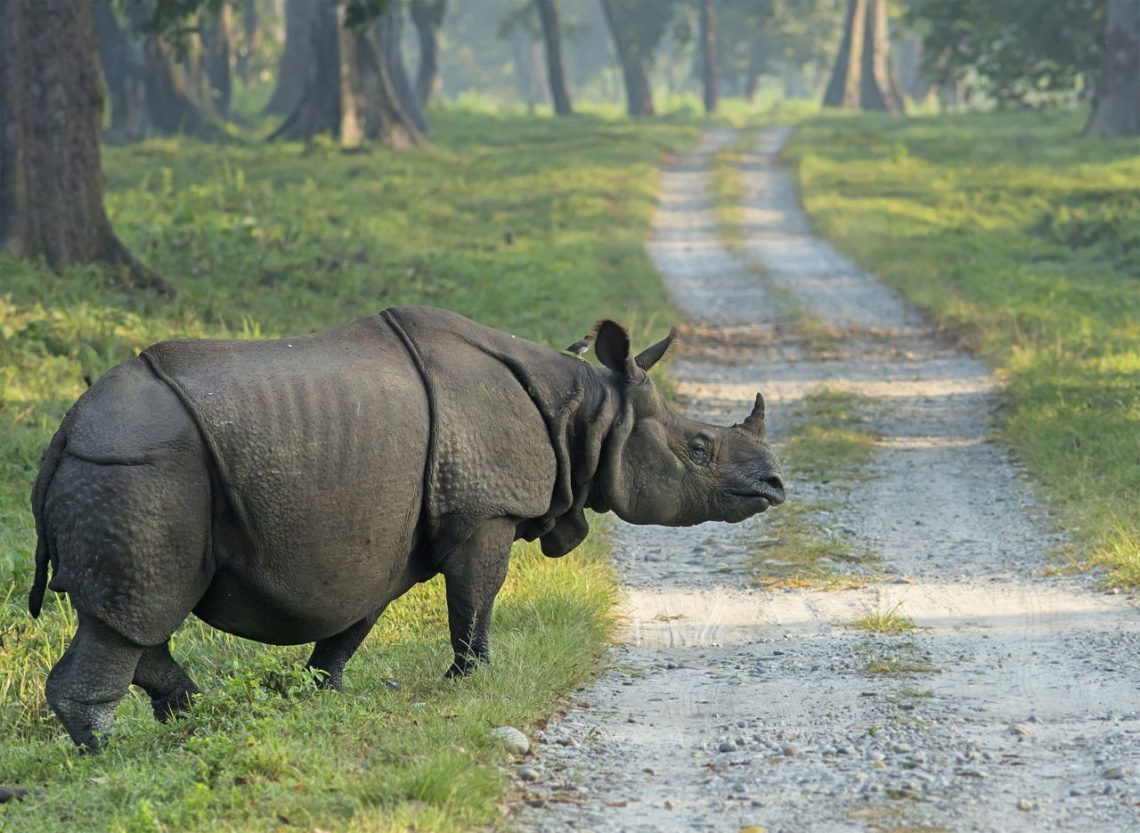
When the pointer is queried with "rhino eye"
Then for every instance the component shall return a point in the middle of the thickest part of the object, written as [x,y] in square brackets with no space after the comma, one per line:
[700,450]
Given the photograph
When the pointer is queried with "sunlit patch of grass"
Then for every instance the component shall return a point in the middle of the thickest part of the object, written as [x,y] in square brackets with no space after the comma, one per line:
[832,438]
[888,621]
[1020,236]
[800,553]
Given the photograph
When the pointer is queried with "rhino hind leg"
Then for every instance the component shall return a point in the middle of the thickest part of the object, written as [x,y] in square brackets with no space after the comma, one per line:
[473,575]
[164,680]
[330,655]
[87,683]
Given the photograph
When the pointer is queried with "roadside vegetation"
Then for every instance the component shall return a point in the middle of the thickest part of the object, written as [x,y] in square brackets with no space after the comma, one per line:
[525,224]
[890,621]
[1024,240]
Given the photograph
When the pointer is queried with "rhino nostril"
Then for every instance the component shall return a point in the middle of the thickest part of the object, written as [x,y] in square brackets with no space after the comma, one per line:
[775,482]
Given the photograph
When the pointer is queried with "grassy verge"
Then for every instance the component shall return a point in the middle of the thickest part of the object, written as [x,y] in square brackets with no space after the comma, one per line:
[829,442]
[1025,240]
[528,224]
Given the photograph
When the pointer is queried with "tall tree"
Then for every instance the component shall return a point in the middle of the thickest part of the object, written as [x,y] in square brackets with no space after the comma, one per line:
[710,70]
[217,32]
[124,75]
[51,105]
[1116,110]
[428,16]
[636,27]
[251,35]
[864,77]
[552,36]
[297,57]
[348,91]
[389,27]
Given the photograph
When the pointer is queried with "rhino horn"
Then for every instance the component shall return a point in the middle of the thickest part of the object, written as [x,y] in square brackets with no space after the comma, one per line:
[755,421]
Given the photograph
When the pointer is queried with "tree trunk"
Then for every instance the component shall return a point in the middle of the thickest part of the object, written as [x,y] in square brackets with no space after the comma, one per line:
[638,95]
[863,78]
[428,17]
[389,35]
[552,35]
[123,75]
[297,58]
[51,106]
[383,117]
[218,44]
[529,86]
[173,90]
[1116,111]
[708,55]
[879,87]
[348,92]
[318,107]
[755,67]
[251,33]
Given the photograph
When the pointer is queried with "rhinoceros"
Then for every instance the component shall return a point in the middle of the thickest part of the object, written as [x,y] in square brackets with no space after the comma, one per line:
[287,490]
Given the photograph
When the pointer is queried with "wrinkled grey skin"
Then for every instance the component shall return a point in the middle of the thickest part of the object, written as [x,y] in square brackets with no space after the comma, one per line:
[287,491]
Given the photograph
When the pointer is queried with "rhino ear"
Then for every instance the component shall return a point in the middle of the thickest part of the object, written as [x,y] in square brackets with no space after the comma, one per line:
[611,346]
[650,356]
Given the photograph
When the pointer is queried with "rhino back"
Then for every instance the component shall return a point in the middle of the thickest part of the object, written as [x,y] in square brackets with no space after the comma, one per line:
[320,445]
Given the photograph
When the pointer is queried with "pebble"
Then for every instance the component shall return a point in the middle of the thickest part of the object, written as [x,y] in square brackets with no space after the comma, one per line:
[726,746]
[512,738]
[527,773]
[1024,804]
[1115,773]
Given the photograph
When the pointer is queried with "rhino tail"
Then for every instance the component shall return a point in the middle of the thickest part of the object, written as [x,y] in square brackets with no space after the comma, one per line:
[39,492]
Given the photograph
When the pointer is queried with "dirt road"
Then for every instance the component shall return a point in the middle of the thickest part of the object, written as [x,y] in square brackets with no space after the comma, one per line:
[732,707]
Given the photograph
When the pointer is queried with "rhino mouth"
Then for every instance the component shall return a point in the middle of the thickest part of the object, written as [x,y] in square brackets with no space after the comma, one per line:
[763,495]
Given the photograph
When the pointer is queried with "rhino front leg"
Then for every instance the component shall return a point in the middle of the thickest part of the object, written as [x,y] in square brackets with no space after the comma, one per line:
[90,679]
[169,686]
[330,655]
[473,574]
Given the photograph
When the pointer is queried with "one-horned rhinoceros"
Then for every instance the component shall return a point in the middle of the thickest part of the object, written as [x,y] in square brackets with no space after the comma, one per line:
[286,491]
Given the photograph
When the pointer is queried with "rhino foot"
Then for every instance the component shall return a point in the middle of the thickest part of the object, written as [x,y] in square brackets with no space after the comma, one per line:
[90,679]
[175,704]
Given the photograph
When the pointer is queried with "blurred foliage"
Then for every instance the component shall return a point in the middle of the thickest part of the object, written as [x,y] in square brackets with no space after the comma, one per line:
[1021,238]
[1020,52]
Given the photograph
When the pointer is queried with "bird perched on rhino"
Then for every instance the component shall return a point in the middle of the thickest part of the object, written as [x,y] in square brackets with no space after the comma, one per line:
[580,347]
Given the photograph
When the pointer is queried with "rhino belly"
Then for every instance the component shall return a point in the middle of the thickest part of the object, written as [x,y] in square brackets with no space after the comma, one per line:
[294,607]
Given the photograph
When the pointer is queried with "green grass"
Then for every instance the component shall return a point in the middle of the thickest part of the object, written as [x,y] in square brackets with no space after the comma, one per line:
[830,441]
[727,186]
[831,438]
[889,621]
[273,240]
[1024,239]
[899,658]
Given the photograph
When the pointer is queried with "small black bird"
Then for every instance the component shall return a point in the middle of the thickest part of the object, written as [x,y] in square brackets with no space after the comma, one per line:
[581,346]
[509,237]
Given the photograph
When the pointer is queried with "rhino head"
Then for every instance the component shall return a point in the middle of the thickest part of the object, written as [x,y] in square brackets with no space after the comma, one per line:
[662,468]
